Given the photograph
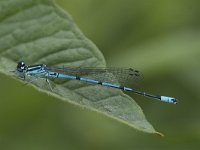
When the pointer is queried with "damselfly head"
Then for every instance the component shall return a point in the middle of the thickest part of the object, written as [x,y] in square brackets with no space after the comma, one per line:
[21,66]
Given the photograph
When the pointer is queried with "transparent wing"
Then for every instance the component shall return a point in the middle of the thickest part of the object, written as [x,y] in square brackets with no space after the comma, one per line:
[113,75]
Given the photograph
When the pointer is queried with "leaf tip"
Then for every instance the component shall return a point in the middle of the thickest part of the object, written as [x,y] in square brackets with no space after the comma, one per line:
[159,134]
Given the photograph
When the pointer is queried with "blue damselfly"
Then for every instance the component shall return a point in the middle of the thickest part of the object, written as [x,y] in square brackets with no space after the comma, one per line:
[97,77]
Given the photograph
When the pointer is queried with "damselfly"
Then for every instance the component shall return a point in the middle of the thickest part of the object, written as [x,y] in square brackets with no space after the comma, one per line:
[42,71]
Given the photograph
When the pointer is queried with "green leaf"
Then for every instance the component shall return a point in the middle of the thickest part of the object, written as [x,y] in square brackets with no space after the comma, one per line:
[38,31]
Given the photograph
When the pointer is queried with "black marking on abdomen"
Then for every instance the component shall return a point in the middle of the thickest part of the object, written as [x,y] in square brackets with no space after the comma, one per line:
[77,78]
[57,75]
[121,87]
[100,82]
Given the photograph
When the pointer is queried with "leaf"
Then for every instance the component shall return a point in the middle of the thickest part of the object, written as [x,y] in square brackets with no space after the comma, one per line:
[38,31]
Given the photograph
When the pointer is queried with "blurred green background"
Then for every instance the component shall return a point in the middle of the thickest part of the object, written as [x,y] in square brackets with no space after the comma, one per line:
[159,38]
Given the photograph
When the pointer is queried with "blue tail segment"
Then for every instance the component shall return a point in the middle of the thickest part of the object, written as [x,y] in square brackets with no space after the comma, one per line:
[168,99]
[41,71]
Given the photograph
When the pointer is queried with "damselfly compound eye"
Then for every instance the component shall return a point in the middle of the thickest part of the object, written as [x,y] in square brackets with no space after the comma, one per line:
[21,66]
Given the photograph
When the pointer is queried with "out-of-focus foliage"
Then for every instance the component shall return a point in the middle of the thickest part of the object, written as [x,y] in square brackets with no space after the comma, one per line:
[160,38]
